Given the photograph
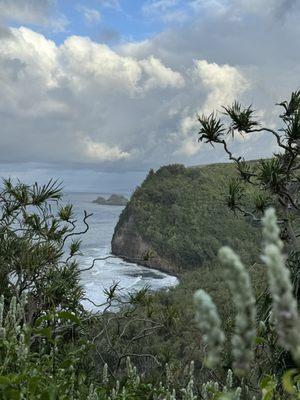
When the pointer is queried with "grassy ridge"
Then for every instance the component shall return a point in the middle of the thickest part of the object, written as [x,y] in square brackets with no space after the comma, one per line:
[182,213]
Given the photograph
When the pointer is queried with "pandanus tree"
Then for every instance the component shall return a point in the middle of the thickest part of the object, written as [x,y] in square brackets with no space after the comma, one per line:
[38,242]
[274,181]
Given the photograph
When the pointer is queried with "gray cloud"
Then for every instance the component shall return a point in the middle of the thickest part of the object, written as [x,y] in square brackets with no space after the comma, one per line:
[26,11]
[85,105]
[109,35]
[36,12]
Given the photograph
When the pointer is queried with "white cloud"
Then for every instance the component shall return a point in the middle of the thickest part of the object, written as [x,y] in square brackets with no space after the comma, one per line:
[135,106]
[158,75]
[224,83]
[99,152]
[91,15]
[52,92]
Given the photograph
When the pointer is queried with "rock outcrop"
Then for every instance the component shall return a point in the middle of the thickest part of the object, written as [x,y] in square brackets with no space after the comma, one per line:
[113,200]
[129,245]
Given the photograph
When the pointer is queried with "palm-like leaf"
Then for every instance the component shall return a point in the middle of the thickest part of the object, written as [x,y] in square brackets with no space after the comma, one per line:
[271,174]
[292,106]
[261,201]
[211,129]
[241,118]
[292,130]
[235,194]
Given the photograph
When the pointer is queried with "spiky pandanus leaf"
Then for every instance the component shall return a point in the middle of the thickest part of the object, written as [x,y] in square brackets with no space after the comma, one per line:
[292,106]
[241,118]
[235,194]
[292,130]
[211,130]
[261,201]
[271,175]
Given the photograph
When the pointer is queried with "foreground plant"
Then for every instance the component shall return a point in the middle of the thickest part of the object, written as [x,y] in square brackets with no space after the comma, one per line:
[284,305]
[275,181]
[284,309]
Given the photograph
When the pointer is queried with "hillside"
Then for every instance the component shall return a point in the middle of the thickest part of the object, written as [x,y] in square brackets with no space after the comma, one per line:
[177,220]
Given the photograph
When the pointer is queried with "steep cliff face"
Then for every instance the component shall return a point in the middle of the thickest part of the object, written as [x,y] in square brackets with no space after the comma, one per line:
[178,219]
[128,244]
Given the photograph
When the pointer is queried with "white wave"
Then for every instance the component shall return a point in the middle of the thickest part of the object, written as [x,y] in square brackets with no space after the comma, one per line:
[138,279]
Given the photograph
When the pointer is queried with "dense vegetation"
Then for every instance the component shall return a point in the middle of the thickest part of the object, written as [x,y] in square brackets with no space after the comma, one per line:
[248,344]
[50,348]
[182,213]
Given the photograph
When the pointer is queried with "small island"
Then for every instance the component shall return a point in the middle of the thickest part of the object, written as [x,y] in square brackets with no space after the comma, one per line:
[113,200]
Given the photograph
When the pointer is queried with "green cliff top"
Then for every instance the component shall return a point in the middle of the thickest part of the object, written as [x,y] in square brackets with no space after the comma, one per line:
[182,213]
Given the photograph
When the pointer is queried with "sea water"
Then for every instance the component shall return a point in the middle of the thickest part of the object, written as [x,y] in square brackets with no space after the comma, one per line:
[96,243]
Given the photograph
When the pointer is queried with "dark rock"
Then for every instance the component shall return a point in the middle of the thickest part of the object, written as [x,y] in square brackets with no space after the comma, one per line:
[113,200]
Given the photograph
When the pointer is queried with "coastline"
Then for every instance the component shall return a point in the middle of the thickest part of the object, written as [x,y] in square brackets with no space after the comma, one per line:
[148,264]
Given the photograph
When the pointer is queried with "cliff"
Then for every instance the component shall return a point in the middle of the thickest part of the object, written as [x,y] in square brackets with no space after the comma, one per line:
[178,219]
[129,244]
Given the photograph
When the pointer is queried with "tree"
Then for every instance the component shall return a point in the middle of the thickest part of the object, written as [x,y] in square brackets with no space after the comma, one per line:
[38,242]
[41,295]
[274,181]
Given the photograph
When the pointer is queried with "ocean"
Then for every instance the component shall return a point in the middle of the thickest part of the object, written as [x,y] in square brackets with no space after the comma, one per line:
[96,243]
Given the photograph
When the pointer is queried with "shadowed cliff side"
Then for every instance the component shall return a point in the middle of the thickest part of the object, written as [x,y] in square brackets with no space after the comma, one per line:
[178,219]
[129,244]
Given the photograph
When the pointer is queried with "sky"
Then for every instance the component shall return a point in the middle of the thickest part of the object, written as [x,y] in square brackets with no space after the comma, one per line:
[96,92]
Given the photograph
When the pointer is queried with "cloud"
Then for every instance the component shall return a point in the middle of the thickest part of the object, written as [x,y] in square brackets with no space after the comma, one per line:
[223,82]
[114,4]
[159,75]
[85,104]
[169,11]
[26,11]
[158,6]
[98,151]
[91,16]
[241,8]
[277,8]
[108,35]
[79,86]
[35,12]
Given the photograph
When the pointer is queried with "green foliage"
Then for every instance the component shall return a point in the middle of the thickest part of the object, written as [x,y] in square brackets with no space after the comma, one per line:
[284,318]
[241,119]
[211,130]
[34,234]
[182,214]
[38,361]
[52,349]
